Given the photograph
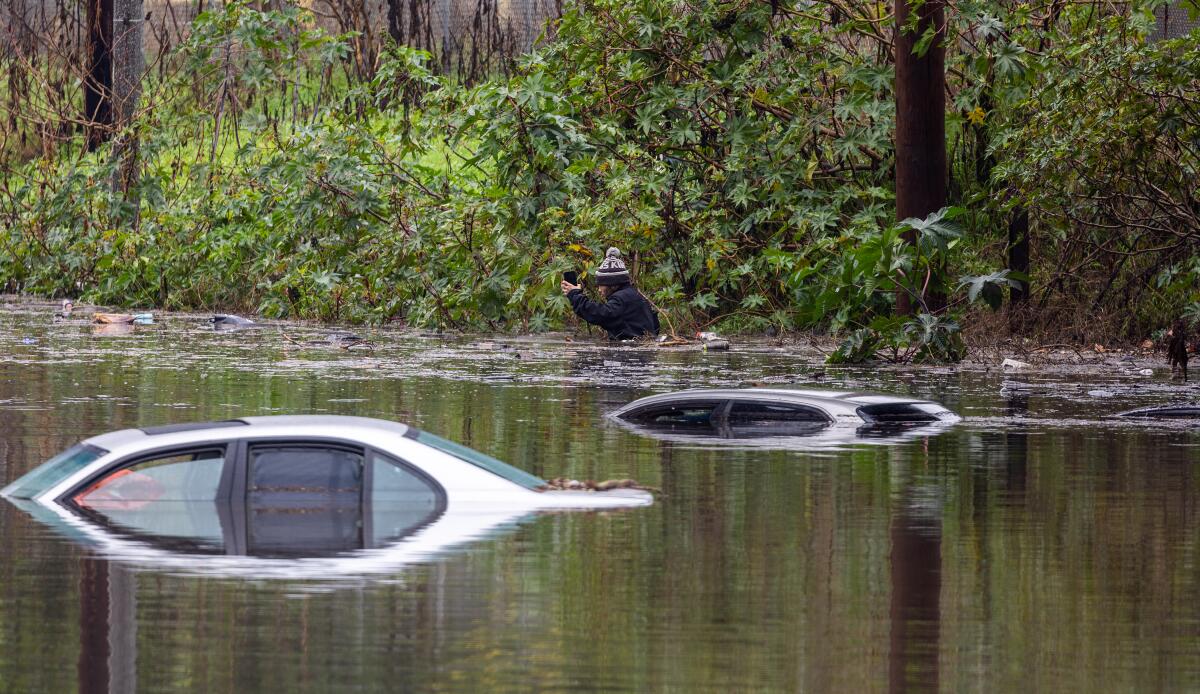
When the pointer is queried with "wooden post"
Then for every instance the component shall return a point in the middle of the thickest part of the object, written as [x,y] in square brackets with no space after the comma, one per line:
[920,120]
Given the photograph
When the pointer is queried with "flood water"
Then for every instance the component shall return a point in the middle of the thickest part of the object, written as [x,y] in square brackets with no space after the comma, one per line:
[1039,545]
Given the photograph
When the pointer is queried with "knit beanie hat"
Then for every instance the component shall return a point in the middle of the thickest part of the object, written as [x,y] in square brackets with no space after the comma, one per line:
[612,269]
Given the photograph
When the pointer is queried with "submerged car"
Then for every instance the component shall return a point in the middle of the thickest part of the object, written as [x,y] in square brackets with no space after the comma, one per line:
[338,494]
[814,416]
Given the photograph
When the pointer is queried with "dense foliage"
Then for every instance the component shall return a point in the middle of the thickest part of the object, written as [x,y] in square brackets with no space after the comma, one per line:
[738,152]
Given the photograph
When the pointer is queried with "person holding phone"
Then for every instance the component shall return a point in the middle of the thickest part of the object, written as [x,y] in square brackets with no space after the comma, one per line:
[624,313]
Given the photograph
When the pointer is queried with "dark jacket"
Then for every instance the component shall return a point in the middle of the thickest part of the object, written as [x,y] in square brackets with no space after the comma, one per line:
[625,315]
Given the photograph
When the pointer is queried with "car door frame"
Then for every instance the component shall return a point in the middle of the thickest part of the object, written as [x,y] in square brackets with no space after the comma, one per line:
[232,488]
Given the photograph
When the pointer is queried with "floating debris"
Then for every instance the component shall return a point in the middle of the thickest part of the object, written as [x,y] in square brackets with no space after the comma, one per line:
[1014,364]
[108,318]
[1181,411]
[339,340]
[565,484]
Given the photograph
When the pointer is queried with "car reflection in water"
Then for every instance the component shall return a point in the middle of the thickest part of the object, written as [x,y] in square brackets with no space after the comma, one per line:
[310,544]
[289,497]
[783,418]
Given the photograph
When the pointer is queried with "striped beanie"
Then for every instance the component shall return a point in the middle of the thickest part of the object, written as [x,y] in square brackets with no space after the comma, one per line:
[612,269]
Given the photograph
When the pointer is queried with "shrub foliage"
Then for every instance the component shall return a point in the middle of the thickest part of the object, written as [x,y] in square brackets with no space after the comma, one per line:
[738,152]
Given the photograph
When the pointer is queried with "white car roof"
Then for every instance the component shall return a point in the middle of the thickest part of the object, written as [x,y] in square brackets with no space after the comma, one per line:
[244,426]
[835,401]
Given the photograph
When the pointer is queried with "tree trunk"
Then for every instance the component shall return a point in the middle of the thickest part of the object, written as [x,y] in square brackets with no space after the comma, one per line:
[97,84]
[1018,253]
[920,123]
[395,21]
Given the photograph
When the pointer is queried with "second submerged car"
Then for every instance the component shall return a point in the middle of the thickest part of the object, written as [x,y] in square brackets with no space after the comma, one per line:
[755,413]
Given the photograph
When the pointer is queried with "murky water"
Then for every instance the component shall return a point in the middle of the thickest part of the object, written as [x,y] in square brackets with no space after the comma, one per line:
[1040,545]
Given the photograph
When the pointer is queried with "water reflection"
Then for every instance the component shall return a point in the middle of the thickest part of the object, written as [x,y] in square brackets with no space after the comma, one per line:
[107,628]
[794,436]
[916,585]
[1038,545]
[235,540]
[113,329]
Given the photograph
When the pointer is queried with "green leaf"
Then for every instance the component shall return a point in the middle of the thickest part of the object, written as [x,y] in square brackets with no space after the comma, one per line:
[990,288]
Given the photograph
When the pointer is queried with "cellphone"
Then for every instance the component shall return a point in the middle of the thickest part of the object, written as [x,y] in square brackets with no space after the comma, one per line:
[571,276]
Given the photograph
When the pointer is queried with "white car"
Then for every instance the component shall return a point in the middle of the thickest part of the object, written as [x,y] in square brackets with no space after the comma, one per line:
[781,416]
[292,496]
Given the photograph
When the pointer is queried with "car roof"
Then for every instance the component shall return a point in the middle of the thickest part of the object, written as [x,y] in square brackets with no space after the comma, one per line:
[246,426]
[844,398]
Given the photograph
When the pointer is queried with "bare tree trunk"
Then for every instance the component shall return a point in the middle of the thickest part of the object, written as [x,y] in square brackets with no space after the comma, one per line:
[920,122]
[97,84]
[1018,253]
[128,62]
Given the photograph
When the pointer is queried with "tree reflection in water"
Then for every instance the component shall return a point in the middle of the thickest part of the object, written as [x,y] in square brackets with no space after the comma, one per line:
[107,628]
[916,582]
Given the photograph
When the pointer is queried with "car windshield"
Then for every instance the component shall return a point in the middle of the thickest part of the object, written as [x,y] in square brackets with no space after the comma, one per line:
[53,471]
[478,459]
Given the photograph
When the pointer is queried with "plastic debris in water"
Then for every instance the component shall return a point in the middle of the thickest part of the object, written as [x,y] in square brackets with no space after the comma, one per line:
[143,318]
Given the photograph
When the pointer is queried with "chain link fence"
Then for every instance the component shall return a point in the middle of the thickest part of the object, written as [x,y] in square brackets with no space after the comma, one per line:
[1175,20]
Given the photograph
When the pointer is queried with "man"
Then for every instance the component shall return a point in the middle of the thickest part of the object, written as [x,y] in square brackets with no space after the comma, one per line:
[625,313]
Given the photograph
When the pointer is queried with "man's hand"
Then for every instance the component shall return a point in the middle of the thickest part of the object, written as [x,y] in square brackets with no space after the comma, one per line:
[567,287]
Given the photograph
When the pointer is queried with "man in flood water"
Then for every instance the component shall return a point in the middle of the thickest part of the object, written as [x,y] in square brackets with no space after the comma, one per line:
[624,313]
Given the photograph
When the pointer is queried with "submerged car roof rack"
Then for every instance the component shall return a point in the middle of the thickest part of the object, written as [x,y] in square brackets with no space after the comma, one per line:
[191,426]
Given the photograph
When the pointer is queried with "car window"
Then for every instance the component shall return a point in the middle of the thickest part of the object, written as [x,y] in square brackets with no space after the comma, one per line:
[755,419]
[749,413]
[293,472]
[53,471]
[480,460]
[303,500]
[696,415]
[895,413]
[178,476]
[192,526]
[402,500]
